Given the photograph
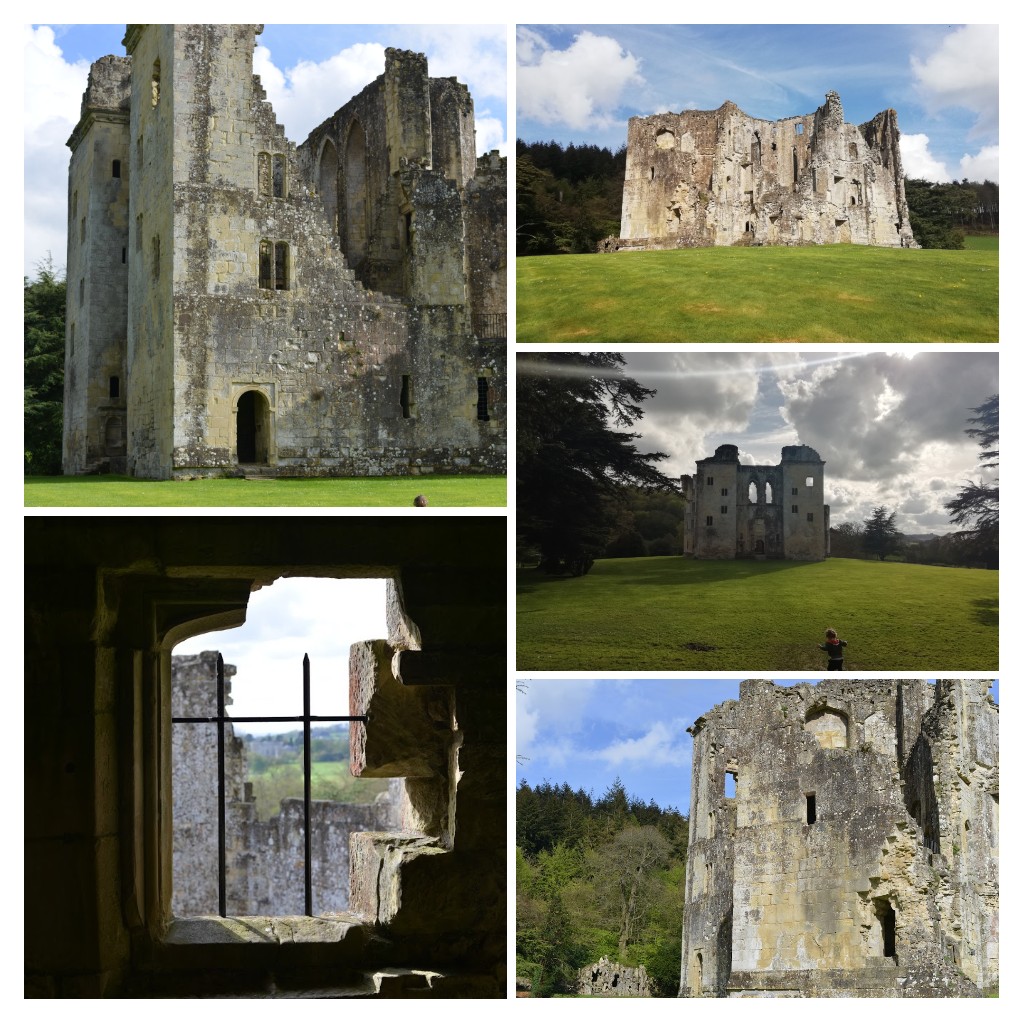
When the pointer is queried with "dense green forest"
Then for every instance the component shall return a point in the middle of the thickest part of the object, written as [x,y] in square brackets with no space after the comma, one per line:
[597,878]
[569,198]
[44,370]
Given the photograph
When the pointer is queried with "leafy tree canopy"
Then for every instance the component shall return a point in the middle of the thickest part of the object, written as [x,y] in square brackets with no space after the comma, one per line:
[44,370]
[976,504]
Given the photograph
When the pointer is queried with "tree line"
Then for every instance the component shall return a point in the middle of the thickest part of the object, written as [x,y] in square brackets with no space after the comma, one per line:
[45,300]
[570,197]
[597,878]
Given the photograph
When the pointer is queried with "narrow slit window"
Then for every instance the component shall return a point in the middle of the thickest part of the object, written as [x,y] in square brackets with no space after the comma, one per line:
[481,399]
[812,808]
[263,174]
[155,84]
[278,165]
[406,396]
[281,267]
[266,265]
[115,387]
[116,173]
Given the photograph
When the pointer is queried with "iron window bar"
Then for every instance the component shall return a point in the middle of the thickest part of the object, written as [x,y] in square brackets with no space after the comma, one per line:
[307,719]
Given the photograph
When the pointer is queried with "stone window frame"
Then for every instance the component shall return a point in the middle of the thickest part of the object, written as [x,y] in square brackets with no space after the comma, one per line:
[725,509]
[709,521]
[224,608]
[796,508]
[274,265]
[271,174]
[810,517]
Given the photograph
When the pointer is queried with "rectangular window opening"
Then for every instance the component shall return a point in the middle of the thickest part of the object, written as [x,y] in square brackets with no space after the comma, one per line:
[796,508]
[730,785]
[116,171]
[812,809]
[482,388]
[810,517]
[115,387]
[406,396]
[262,794]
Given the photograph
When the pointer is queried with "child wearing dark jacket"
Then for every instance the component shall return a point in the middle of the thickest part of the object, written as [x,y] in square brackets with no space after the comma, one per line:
[833,646]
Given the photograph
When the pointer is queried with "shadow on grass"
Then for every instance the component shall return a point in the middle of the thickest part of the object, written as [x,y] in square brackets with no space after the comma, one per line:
[986,611]
[690,572]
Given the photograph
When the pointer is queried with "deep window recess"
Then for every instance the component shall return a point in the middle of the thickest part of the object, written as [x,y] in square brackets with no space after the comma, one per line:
[266,264]
[725,492]
[156,256]
[796,491]
[796,508]
[281,266]
[278,161]
[710,521]
[156,82]
[306,718]
[730,785]
[812,810]
[724,508]
[115,387]
[481,399]
[711,480]
[809,481]
[810,517]
[117,169]
[406,396]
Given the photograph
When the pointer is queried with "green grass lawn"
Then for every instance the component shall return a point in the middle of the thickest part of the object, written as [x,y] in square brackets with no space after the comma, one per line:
[371,492]
[982,243]
[638,614]
[833,293]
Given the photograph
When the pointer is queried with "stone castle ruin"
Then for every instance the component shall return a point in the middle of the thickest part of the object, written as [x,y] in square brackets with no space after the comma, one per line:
[721,177]
[265,860]
[239,304]
[739,511]
[860,853]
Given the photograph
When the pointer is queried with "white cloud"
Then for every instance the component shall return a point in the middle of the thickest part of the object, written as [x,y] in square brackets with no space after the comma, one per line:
[983,166]
[662,744]
[963,72]
[918,162]
[580,87]
[53,99]
[308,93]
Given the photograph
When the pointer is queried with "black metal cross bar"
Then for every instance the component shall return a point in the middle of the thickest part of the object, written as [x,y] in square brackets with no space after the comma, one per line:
[220,719]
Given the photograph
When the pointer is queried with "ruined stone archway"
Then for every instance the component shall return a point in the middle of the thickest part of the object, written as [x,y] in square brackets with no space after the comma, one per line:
[356,205]
[328,178]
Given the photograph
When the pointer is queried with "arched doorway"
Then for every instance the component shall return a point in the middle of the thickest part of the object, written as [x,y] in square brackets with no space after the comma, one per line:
[252,428]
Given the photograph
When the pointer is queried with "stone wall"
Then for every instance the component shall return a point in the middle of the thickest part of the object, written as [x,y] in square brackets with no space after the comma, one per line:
[297,311]
[265,863]
[610,979]
[721,177]
[829,872]
[741,511]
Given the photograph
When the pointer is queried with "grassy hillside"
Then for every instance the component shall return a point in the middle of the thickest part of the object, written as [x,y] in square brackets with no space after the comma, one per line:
[372,492]
[836,293]
[642,613]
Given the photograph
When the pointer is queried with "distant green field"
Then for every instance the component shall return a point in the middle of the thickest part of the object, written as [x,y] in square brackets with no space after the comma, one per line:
[371,492]
[832,293]
[640,614]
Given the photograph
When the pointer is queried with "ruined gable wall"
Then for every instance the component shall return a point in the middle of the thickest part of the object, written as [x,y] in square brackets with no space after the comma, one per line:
[722,177]
[97,274]
[807,901]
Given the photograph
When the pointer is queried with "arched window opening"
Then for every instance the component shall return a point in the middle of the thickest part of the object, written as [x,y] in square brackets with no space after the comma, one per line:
[356,195]
[241,800]
[278,174]
[328,178]
[752,493]
[767,493]
[699,972]
[829,727]
[796,167]
[281,266]
[252,428]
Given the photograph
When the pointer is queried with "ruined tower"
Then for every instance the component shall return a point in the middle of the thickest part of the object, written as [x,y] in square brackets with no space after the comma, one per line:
[236,304]
[859,854]
[721,177]
[738,511]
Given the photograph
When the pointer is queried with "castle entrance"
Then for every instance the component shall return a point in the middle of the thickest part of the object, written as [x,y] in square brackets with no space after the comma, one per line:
[252,428]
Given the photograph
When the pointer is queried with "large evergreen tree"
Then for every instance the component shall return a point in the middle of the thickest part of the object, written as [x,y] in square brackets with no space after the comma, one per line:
[570,462]
[977,503]
[880,534]
[44,370]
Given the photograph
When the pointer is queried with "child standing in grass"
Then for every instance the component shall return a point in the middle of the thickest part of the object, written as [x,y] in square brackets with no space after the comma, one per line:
[833,646]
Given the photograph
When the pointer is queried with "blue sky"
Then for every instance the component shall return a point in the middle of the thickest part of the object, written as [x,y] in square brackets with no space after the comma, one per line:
[588,731]
[308,71]
[890,426]
[582,83]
